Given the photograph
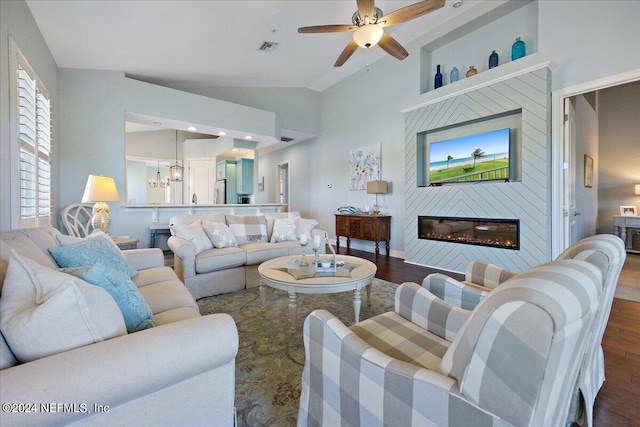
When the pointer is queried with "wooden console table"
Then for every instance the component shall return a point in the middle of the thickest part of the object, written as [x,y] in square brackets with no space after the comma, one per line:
[374,228]
[622,223]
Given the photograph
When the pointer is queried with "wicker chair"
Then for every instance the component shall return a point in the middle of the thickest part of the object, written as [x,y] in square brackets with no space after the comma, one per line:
[77,219]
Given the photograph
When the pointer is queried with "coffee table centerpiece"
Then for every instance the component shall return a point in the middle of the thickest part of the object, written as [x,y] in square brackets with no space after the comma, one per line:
[344,273]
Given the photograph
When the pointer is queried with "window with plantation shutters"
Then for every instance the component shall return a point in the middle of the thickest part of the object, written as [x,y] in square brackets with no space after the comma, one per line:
[34,148]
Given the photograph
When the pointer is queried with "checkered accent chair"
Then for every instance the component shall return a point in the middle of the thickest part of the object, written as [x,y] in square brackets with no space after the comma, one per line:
[511,361]
[480,278]
[607,252]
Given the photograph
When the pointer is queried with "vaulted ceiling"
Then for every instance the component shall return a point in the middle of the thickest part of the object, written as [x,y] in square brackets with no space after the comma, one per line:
[215,43]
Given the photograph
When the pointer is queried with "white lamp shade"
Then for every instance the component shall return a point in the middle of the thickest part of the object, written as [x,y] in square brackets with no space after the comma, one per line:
[377,187]
[100,189]
[637,189]
[368,35]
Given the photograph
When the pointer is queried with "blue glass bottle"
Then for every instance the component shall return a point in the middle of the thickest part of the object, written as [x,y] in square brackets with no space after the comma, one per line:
[517,50]
[437,81]
[493,60]
[453,77]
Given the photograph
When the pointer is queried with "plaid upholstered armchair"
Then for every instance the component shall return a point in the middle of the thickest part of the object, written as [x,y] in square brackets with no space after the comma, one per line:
[512,361]
[606,251]
[480,278]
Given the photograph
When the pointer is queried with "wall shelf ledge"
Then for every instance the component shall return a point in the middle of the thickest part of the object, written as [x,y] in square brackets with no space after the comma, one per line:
[486,78]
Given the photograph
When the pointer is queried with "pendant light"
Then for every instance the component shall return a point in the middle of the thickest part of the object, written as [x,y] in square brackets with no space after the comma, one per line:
[175,171]
[159,182]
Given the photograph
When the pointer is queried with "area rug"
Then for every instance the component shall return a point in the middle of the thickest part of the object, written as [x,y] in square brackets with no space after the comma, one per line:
[629,282]
[270,358]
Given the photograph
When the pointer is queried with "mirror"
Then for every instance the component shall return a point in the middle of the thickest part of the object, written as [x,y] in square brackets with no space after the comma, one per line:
[144,187]
[152,145]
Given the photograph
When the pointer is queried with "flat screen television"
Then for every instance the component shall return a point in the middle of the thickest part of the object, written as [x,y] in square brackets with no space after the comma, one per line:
[472,158]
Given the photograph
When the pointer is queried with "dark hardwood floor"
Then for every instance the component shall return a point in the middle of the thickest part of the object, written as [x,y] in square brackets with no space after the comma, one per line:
[618,402]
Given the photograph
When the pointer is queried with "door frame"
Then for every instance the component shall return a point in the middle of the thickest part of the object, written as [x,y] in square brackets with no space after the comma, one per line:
[559,146]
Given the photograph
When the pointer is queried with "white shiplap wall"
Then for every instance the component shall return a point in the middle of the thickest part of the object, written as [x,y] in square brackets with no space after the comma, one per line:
[527,200]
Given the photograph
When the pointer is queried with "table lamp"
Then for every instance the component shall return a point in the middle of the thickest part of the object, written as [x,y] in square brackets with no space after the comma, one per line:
[376,187]
[100,189]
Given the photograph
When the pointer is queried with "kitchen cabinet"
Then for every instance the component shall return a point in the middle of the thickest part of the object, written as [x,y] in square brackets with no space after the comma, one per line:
[244,176]
[374,228]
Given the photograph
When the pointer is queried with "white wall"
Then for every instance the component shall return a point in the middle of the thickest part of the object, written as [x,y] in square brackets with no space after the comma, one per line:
[586,144]
[619,152]
[16,21]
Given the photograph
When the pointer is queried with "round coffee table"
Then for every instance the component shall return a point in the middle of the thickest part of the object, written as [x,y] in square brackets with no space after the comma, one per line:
[361,276]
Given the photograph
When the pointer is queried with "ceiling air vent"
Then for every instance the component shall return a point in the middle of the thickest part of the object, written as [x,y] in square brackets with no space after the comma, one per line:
[285,139]
[268,46]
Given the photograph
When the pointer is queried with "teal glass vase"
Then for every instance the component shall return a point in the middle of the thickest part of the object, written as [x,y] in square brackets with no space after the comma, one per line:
[517,50]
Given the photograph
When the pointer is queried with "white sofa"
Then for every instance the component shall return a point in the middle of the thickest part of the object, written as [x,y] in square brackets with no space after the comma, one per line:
[180,371]
[219,270]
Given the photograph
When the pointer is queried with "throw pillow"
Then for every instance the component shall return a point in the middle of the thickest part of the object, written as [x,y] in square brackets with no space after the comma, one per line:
[284,229]
[135,310]
[219,234]
[248,228]
[304,226]
[90,251]
[193,233]
[270,217]
[44,311]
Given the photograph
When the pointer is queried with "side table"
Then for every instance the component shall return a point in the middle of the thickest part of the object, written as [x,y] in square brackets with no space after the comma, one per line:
[375,228]
[125,242]
[622,224]
[154,230]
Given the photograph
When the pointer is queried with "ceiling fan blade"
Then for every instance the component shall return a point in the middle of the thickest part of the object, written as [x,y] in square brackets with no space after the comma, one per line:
[328,29]
[410,12]
[365,8]
[392,47]
[346,53]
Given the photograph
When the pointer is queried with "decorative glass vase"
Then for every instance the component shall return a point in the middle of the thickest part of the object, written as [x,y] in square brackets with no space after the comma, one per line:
[517,50]
[453,77]
[493,60]
[437,81]
[472,71]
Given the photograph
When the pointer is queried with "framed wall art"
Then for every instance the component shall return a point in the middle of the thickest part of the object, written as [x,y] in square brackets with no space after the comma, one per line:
[588,171]
[364,165]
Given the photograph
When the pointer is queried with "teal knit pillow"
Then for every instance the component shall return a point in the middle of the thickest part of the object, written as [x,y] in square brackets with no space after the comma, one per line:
[89,252]
[135,310]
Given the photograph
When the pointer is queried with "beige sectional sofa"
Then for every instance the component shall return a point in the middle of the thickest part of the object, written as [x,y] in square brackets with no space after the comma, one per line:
[215,270]
[180,371]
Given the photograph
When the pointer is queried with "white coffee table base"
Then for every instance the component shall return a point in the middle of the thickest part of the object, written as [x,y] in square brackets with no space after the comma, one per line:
[293,303]
[362,276]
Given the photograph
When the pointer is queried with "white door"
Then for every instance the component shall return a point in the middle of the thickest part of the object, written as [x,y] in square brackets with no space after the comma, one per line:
[202,178]
[569,176]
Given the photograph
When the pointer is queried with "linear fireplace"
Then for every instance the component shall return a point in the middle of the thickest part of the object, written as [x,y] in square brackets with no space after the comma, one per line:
[496,233]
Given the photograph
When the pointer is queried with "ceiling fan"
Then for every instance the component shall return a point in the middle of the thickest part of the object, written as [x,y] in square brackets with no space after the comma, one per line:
[368,27]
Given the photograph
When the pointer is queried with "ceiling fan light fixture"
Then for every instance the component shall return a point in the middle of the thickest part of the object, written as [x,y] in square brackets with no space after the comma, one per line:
[368,35]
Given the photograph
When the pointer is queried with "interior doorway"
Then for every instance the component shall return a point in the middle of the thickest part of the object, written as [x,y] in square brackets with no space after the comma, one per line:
[283,184]
[570,196]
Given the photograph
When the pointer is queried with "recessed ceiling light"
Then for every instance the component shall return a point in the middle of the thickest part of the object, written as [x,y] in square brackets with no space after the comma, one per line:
[222,133]
[192,129]
[248,137]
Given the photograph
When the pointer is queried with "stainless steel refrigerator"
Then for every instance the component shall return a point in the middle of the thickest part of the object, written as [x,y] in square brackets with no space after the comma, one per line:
[220,196]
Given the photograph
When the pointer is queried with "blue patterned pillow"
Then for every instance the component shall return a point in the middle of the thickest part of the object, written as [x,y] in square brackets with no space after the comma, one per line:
[135,310]
[89,252]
